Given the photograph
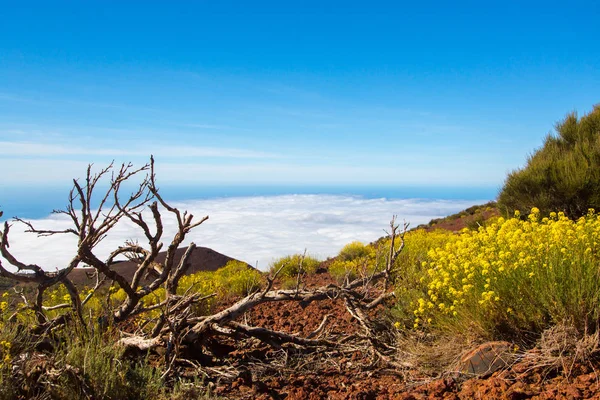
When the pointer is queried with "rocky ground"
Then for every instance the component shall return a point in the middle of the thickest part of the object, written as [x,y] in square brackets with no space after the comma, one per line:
[350,376]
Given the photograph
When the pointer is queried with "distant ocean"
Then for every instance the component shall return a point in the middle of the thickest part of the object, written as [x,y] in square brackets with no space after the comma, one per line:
[250,223]
[37,202]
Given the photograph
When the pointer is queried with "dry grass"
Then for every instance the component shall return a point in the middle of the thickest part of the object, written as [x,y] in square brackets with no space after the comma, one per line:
[433,355]
[560,349]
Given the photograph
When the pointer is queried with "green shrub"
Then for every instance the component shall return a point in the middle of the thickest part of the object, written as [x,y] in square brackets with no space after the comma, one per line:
[291,265]
[13,340]
[353,251]
[98,370]
[354,260]
[237,279]
[563,175]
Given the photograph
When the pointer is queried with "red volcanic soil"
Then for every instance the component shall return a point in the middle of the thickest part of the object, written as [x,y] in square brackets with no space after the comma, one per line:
[457,224]
[201,259]
[472,217]
[350,376]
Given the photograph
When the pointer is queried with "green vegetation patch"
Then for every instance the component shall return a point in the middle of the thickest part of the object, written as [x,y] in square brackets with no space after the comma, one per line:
[290,266]
[563,175]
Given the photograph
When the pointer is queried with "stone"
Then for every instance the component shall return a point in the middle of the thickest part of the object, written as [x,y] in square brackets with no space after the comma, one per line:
[488,358]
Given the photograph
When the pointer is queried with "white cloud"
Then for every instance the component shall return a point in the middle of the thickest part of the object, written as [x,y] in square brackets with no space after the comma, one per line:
[254,229]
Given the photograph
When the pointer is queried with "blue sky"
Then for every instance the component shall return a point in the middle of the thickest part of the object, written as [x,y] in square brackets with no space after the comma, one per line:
[296,93]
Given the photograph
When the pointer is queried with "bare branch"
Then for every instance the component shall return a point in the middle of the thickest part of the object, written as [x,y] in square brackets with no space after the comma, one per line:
[4,244]
[42,232]
[271,336]
[56,307]
[173,280]
[139,343]
[92,292]
[393,252]
[383,297]
[320,328]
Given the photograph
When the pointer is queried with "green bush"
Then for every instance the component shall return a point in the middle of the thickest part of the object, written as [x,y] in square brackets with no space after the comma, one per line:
[354,250]
[292,265]
[354,260]
[563,175]
[236,278]
[13,340]
[99,370]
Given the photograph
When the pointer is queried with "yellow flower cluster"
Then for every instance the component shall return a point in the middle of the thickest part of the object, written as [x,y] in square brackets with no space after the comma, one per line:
[5,347]
[357,259]
[3,304]
[509,267]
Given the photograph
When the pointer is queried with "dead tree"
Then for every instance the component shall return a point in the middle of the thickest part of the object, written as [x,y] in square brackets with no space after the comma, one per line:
[176,323]
[92,224]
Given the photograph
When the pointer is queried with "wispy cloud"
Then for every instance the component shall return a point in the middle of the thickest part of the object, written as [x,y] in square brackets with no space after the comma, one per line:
[42,149]
[13,97]
[40,171]
[254,229]
[403,172]
[288,111]
[46,99]
[194,166]
[47,150]
[206,126]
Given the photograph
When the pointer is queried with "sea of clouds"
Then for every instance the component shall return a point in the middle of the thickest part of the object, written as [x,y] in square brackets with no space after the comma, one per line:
[253,229]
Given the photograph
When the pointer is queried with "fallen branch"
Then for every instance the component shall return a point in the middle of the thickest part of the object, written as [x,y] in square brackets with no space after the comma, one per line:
[265,334]
[138,342]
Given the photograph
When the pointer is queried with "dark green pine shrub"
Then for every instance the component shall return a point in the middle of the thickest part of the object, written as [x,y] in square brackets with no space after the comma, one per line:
[563,175]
